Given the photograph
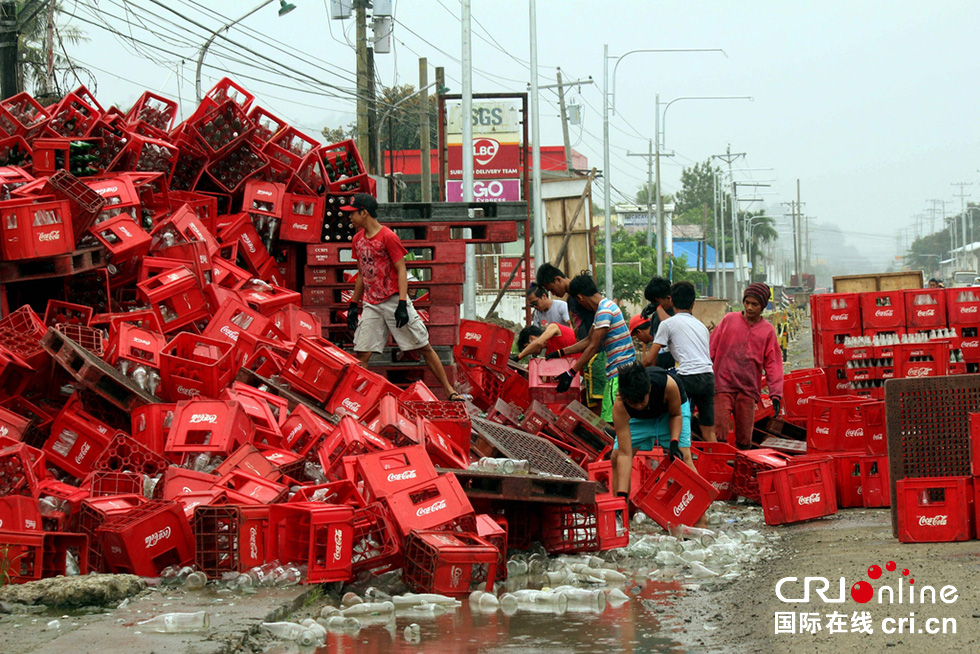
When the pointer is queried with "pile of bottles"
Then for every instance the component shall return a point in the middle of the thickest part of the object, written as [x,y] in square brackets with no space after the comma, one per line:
[337,225]
[924,299]
[267,227]
[41,217]
[157,116]
[223,126]
[154,158]
[340,167]
[238,164]
[189,165]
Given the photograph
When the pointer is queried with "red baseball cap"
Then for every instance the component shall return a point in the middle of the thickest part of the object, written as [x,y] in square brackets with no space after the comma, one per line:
[638,322]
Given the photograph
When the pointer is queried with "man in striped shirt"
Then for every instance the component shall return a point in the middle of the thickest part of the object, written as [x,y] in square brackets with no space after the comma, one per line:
[609,333]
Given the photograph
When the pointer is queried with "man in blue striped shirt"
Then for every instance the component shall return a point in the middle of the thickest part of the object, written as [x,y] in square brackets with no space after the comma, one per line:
[609,332]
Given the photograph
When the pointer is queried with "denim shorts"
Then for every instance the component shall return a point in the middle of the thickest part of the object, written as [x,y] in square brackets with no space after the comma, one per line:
[646,434]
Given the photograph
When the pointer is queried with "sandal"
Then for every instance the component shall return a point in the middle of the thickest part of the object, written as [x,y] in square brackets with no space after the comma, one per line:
[456,397]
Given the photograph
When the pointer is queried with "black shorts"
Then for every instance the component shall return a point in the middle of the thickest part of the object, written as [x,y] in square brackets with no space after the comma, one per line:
[700,391]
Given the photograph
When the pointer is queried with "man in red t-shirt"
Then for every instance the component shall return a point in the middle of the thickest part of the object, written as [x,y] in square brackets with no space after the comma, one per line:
[383,283]
[552,338]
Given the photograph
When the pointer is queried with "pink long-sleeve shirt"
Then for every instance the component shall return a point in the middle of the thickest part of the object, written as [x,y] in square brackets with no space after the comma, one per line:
[740,352]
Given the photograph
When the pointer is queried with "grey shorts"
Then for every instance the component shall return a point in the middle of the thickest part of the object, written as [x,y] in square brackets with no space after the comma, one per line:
[377,320]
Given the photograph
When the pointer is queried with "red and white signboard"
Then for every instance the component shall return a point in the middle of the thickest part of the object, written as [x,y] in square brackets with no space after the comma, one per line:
[505,265]
[491,158]
[486,190]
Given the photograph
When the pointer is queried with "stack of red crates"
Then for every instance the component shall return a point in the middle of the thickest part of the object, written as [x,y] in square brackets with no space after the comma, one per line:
[950,317]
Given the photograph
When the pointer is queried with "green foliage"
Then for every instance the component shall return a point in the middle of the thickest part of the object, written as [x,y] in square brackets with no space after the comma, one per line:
[697,189]
[926,252]
[5,565]
[32,53]
[635,263]
[643,191]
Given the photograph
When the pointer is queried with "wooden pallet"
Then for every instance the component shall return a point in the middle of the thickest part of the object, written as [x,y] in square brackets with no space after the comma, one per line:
[62,265]
[94,374]
[478,484]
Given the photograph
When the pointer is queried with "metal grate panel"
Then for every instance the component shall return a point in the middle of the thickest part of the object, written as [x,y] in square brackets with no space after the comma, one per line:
[928,429]
[516,444]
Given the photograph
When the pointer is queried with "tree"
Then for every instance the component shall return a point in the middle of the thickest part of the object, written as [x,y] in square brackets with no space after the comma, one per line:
[635,264]
[33,55]
[642,193]
[697,188]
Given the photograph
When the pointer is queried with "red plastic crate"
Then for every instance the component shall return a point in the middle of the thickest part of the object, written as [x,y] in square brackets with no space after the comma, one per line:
[214,426]
[235,165]
[836,424]
[358,392]
[107,484]
[749,464]
[921,359]
[303,430]
[935,509]
[438,503]
[94,511]
[451,417]
[799,387]
[600,526]
[390,471]
[348,438]
[828,346]
[925,308]
[493,529]
[32,556]
[176,297]
[139,347]
[585,428]
[22,115]
[319,535]
[126,453]
[229,538]
[483,344]
[315,367]
[19,513]
[798,492]
[483,384]
[962,306]
[542,381]
[77,441]
[675,494]
[32,230]
[882,310]
[194,366]
[835,311]
[448,563]
[245,488]
[154,110]
[717,465]
[875,489]
[848,468]
[441,448]
[147,539]
[876,441]
[294,322]
[151,425]
[376,546]
[267,125]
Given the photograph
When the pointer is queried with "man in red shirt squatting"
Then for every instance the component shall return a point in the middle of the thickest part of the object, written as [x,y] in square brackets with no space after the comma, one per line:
[383,283]
[742,346]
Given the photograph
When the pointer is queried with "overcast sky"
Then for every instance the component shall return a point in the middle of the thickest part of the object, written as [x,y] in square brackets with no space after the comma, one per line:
[872,105]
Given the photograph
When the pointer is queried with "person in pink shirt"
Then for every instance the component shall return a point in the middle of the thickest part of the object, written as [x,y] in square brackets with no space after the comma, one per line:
[742,347]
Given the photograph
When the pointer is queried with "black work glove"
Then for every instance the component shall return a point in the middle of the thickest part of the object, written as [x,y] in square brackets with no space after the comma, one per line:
[352,316]
[556,354]
[776,406]
[515,358]
[675,451]
[401,314]
[565,380]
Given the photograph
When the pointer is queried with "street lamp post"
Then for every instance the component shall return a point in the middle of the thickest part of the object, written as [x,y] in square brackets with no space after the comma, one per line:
[607,104]
[284,8]
[661,127]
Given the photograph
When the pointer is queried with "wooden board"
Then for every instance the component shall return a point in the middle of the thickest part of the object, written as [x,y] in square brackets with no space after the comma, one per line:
[895,281]
[710,311]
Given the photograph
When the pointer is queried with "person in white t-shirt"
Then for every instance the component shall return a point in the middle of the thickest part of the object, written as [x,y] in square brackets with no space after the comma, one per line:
[687,338]
[546,309]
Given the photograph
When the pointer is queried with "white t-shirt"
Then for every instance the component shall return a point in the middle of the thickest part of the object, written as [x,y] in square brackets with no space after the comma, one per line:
[687,338]
[557,312]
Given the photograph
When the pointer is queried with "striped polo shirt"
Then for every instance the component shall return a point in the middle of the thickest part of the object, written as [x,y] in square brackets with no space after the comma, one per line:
[618,344]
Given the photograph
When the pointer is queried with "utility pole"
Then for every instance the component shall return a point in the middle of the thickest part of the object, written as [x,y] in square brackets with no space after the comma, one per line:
[364,83]
[564,125]
[425,154]
[728,158]
[466,63]
[440,144]
[962,196]
[8,49]
[649,157]
[792,221]
[799,230]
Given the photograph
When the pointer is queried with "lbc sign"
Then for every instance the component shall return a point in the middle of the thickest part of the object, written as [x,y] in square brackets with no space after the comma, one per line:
[491,158]
[486,190]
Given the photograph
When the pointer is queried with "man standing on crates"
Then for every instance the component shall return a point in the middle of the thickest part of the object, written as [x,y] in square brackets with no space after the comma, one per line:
[382,281]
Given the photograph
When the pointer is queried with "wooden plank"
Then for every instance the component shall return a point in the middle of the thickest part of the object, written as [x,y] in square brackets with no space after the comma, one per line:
[895,281]
[478,484]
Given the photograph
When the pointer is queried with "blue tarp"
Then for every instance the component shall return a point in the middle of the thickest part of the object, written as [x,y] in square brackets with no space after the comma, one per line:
[690,249]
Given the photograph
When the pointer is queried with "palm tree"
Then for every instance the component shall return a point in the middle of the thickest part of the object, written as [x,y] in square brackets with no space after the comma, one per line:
[33,49]
[761,229]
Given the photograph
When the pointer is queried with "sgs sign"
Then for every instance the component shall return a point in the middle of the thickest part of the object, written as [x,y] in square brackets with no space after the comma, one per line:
[488,117]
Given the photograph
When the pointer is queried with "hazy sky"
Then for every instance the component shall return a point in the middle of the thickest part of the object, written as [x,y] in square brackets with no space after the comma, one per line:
[872,105]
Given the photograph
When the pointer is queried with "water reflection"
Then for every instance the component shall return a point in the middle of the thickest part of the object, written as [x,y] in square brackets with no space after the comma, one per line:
[630,628]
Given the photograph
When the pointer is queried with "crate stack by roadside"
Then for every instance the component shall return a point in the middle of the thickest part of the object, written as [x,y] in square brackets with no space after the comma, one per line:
[863,339]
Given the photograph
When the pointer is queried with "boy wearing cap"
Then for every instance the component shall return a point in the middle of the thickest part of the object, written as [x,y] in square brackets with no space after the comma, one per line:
[657,293]
[743,345]
[383,284]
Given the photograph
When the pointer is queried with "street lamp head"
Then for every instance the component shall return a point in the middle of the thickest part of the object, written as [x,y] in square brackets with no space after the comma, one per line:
[285,7]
